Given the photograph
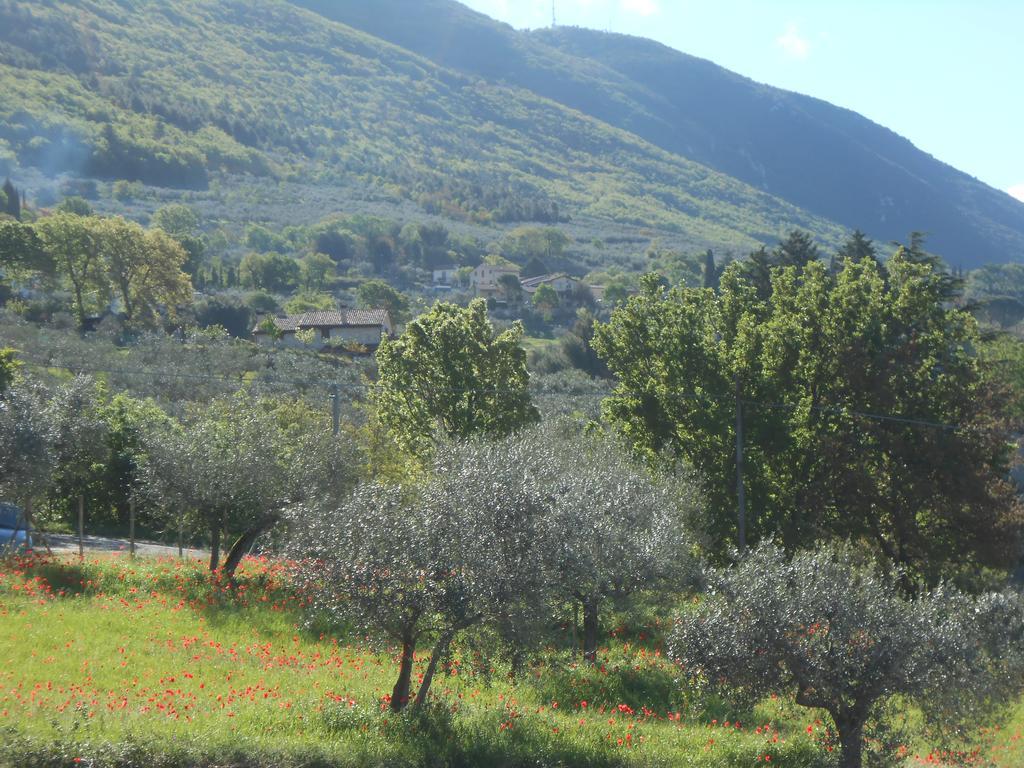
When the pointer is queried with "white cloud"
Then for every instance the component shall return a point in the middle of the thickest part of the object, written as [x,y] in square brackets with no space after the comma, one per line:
[795,46]
[641,7]
[1017,191]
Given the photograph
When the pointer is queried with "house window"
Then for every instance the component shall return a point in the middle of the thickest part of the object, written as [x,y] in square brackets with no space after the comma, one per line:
[325,334]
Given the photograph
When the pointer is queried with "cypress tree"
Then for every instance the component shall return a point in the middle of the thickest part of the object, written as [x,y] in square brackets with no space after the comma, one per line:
[711,274]
[13,206]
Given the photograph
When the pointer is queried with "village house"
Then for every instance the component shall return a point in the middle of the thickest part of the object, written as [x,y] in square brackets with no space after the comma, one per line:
[570,290]
[484,280]
[347,328]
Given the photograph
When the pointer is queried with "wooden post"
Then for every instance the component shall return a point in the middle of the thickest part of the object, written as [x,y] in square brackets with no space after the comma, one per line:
[131,527]
[81,526]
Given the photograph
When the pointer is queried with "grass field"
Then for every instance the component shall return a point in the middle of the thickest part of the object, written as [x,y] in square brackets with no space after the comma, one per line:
[115,662]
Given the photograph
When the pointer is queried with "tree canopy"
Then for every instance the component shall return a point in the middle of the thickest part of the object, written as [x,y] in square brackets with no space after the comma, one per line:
[451,373]
[809,361]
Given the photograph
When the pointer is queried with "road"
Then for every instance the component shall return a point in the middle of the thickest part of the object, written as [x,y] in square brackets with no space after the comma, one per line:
[96,545]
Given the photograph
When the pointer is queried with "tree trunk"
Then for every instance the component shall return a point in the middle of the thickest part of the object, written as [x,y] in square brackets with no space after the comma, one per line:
[400,693]
[241,546]
[214,547]
[428,677]
[590,627]
[851,737]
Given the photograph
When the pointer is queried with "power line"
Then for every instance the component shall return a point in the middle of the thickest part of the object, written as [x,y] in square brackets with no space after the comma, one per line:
[267,378]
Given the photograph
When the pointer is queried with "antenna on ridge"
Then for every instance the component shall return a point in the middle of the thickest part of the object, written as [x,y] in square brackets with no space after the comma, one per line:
[554,17]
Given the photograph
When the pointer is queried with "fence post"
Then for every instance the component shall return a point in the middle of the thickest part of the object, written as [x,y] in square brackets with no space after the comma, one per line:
[81,526]
[131,527]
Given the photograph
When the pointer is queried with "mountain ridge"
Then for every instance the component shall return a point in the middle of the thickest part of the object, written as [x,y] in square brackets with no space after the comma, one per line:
[889,186]
[175,94]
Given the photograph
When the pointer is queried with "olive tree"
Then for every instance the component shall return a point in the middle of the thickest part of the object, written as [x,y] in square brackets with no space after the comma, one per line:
[27,457]
[837,634]
[423,564]
[223,464]
[610,527]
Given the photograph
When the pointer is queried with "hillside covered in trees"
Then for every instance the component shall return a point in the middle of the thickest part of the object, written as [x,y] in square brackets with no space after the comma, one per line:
[827,160]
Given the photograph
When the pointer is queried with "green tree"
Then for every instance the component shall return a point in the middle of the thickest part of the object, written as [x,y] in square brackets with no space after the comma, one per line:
[12,200]
[830,632]
[449,372]
[710,274]
[71,242]
[511,288]
[547,243]
[143,268]
[316,271]
[182,223]
[857,248]
[545,300]
[376,294]
[8,368]
[21,249]
[610,528]
[809,365]
[534,267]
[797,250]
[76,206]
[273,272]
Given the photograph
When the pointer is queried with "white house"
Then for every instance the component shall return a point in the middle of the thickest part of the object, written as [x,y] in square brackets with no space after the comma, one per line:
[363,327]
[484,279]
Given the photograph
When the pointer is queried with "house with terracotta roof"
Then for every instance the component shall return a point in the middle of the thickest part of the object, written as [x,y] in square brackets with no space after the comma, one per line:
[571,290]
[341,329]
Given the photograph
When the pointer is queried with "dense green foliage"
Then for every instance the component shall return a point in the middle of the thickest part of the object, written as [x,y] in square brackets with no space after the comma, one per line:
[451,373]
[811,359]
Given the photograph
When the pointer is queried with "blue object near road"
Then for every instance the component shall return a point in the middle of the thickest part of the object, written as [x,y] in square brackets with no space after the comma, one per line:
[13,531]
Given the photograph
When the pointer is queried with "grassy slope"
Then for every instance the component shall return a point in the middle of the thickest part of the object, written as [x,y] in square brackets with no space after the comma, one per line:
[115,660]
[140,659]
[264,87]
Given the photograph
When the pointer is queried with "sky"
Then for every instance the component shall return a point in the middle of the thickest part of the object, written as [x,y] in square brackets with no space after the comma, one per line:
[946,74]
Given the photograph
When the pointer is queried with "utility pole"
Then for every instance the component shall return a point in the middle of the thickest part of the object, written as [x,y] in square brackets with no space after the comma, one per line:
[740,490]
[336,409]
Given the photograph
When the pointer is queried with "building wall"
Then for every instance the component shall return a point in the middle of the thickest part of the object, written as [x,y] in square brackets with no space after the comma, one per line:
[369,336]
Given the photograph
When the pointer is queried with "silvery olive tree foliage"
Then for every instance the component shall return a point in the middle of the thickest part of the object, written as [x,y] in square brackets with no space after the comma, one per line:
[78,433]
[27,458]
[47,439]
[840,635]
[222,463]
[610,526]
[422,564]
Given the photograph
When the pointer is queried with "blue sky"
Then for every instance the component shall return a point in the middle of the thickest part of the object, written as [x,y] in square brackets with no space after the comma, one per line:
[946,74]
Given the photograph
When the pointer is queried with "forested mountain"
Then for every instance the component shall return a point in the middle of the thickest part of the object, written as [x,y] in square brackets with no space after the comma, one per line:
[171,92]
[825,159]
[429,107]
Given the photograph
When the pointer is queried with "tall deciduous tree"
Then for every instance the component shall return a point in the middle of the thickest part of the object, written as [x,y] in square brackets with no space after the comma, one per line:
[22,250]
[71,242]
[810,362]
[143,268]
[376,294]
[449,372]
